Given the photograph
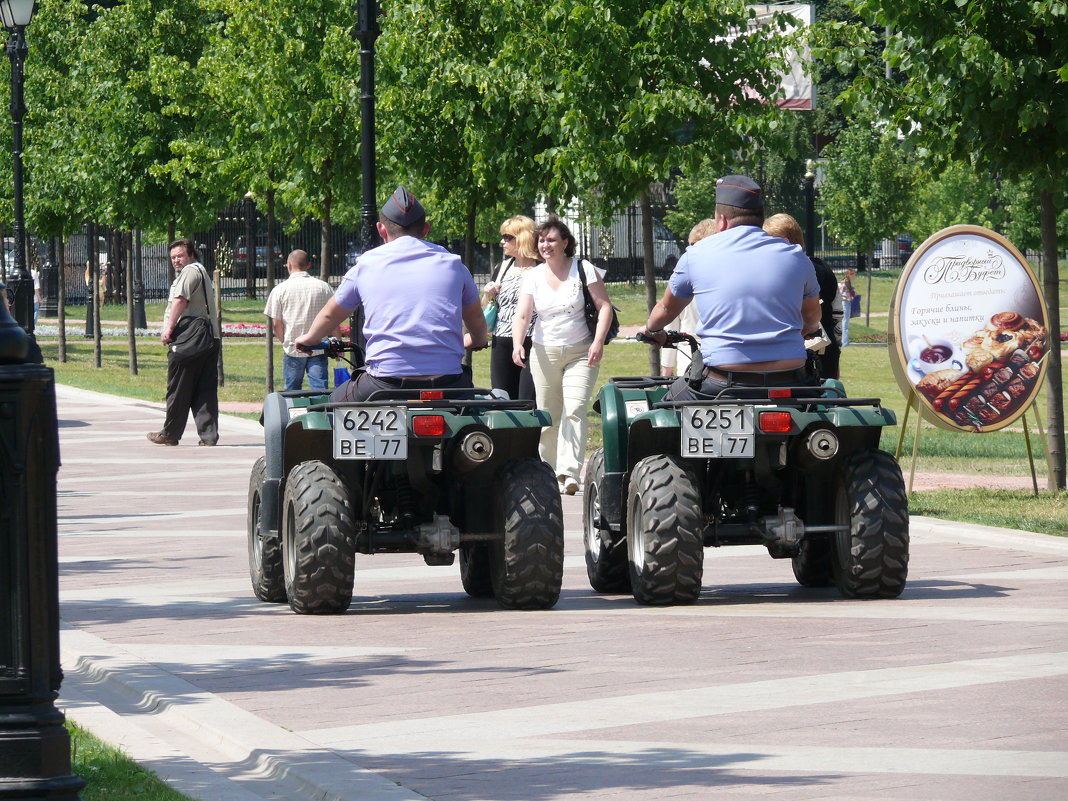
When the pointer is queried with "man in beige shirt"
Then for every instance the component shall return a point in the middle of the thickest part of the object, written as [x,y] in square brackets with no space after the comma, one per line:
[292,307]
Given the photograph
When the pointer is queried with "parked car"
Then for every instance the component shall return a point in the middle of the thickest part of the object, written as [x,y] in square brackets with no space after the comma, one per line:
[904,252]
[241,262]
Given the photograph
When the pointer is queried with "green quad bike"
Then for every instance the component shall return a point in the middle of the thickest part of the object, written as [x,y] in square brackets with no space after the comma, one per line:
[797,470]
[407,471]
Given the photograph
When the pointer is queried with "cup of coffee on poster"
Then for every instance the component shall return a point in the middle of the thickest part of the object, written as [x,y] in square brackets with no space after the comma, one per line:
[968,330]
[929,355]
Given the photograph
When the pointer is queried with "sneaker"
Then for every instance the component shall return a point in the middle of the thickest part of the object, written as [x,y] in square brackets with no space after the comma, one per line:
[570,486]
[159,438]
[209,444]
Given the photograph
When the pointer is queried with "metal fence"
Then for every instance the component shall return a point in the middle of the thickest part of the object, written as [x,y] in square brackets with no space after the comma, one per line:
[617,247]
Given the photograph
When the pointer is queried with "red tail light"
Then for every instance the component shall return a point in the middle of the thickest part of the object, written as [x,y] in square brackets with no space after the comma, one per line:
[428,425]
[431,394]
[780,393]
[776,422]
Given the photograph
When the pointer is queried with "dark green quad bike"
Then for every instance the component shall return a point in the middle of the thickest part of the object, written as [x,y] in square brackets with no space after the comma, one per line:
[408,471]
[802,476]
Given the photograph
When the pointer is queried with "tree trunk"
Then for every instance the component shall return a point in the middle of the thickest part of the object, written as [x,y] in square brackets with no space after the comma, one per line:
[650,275]
[61,301]
[131,334]
[269,366]
[1051,294]
[324,241]
[469,234]
[170,238]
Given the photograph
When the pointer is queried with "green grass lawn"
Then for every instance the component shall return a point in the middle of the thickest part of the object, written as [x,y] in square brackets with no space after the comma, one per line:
[110,776]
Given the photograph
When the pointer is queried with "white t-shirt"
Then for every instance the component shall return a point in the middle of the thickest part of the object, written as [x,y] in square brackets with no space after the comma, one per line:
[560,320]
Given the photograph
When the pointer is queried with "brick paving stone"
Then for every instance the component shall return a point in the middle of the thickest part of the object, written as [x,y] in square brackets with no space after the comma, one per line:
[957,690]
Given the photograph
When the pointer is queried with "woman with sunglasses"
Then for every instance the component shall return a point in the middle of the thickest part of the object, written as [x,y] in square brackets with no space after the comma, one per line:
[517,242]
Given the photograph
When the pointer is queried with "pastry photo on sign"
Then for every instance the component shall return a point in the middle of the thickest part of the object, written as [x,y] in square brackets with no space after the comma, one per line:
[968,330]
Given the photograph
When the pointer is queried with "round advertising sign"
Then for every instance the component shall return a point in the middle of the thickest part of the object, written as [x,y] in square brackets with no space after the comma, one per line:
[968,330]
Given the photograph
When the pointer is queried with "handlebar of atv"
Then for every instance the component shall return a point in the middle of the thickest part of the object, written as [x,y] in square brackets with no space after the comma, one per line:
[332,346]
[673,338]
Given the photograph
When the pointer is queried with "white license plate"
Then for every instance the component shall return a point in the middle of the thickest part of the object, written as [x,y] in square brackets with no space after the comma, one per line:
[371,432]
[719,432]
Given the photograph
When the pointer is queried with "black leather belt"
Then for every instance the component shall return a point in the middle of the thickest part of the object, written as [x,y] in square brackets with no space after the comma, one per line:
[418,382]
[746,378]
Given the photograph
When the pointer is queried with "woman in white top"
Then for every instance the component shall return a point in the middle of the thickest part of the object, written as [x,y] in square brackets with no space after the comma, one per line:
[564,356]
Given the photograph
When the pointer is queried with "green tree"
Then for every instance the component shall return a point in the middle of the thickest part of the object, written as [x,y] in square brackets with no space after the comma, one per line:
[285,78]
[988,81]
[117,106]
[867,186]
[952,194]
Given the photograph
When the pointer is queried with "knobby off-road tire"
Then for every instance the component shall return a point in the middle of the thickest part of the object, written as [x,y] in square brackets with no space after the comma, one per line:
[814,563]
[664,532]
[527,564]
[606,553]
[264,550]
[871,559]
[475,570]
[318,540]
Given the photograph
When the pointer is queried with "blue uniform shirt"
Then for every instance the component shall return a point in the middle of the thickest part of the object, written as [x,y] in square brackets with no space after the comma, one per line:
[413,293]
[748,287]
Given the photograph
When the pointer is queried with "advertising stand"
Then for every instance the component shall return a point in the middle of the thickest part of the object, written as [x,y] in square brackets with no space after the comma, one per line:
[968,335]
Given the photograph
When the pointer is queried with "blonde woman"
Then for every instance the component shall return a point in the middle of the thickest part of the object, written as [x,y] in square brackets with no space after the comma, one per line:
[786,227]
[564,357]
[520,254]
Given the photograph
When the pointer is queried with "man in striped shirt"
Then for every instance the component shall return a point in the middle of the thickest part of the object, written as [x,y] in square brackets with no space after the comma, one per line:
[292,307]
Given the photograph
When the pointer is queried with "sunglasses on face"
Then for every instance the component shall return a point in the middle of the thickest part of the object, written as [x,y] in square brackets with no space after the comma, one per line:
[507,238]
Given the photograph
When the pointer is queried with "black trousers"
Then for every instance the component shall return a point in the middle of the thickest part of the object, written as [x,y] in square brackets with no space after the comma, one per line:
[506,374]
[362,385]
[194,386]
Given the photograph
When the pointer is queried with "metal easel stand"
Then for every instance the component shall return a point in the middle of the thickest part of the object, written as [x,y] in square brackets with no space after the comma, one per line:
[1027,441]
[915,438]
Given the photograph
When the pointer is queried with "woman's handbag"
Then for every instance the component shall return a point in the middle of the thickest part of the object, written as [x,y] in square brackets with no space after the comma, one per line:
[491,314]
[590,309]
[192,338]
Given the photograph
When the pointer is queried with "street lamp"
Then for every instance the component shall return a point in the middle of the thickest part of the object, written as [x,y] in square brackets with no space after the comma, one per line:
[16,15]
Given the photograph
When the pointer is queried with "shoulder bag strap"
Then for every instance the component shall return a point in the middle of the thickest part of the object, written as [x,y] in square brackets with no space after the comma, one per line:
[582,280]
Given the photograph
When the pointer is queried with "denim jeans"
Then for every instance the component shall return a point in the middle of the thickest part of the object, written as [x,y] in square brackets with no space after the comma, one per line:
[294,367]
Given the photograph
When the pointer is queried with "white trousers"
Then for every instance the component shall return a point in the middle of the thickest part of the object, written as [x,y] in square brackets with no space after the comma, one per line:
[563,383]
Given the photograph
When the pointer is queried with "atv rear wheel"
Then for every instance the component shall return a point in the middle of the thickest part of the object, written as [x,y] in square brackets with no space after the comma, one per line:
[871,558]
[527,563]
[813,564]
[475,570]
[606,553]
[264,549]
[664,532]
[318,540]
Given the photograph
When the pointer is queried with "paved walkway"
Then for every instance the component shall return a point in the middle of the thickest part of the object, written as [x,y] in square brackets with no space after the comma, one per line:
[957,690]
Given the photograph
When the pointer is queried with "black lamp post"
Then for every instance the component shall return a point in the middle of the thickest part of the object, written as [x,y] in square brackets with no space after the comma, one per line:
[367,33]
[16,16]
[810,209]
[34,744]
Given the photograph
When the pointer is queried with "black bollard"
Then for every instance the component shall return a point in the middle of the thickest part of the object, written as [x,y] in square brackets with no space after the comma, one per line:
[34,744]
